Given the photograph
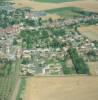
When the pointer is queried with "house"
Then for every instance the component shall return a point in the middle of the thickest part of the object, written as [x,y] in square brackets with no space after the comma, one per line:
[51,69]
[10,30]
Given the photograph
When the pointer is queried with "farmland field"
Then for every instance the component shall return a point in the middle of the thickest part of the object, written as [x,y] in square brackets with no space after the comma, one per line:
[93,66]
[53,16]
[61,88]
[57,1]
[90,31]
[91,5]
[67,12]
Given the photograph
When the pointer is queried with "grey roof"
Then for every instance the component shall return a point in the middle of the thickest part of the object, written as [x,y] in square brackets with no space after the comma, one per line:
[7,8]
[39,13]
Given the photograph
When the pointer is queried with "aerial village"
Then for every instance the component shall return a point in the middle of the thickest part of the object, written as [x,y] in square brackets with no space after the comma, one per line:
[45,47]
[33,46]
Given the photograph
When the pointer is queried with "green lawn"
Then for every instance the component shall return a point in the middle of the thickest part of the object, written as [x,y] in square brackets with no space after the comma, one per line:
[55,1]
[67,12]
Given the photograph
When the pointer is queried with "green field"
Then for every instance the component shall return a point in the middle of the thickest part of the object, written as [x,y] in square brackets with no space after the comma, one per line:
[55,1]
[8,79]
[67,12]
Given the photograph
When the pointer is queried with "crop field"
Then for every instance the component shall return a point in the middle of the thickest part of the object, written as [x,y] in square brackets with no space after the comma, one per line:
[61,88]
[56,1]
[90,31]
[50,15]
[91,5]
[67,12]
[8,81]
[93,67]
[6,87]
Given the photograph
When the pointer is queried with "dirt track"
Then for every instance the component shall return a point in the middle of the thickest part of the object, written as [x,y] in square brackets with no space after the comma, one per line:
[62,88]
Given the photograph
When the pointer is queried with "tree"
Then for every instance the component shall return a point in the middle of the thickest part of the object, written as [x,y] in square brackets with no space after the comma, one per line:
[40,21]
[80,66]
[30,22]
[91,53]
[15,42]
[50,20]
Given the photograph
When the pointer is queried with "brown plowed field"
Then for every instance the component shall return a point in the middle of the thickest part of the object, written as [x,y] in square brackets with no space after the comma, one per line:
[62,88]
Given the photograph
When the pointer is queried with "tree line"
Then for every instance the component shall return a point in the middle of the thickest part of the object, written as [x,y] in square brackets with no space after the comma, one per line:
[80,65]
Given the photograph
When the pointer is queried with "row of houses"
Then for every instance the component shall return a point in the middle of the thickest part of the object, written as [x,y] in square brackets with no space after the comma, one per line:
[67,22]
[10,30]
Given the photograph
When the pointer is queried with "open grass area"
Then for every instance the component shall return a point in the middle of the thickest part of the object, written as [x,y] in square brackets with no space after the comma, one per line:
[62,88]
[90,31]
[67,12]
[55,1]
